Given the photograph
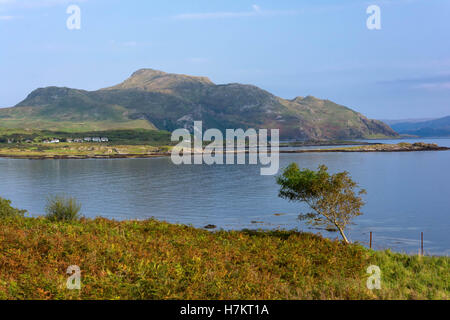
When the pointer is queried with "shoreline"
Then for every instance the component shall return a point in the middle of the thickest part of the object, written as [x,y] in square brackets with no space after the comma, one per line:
[401,147]
[83,157]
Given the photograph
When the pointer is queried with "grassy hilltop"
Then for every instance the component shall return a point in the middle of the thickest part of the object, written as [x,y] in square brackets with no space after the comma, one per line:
[156,260]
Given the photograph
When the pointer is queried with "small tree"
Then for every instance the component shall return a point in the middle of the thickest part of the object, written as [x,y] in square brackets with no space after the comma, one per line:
[332,197]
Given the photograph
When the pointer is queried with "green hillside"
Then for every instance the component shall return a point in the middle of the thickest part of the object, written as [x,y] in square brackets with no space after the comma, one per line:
[68,109]
[152,99]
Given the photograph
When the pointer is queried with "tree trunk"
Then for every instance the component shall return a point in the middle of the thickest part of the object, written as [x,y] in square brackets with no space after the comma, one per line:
[343,234]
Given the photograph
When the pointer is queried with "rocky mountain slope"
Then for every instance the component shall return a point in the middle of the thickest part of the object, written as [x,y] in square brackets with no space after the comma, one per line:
[152,99]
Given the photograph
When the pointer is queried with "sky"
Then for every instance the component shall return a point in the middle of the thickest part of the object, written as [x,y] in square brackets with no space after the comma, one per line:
[289,48]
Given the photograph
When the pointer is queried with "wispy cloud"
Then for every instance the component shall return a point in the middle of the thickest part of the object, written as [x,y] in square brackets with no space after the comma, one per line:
[434,86]
[197,60]
[129,43]
[392,2]
[6,18]
[437,82]
[255,12]
[36,3]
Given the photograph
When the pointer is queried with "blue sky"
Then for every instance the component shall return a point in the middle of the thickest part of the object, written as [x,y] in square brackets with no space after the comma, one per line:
[290,48]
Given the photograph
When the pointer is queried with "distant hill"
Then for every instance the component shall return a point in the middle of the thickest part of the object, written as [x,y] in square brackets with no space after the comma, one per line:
[432,128]
[152,99]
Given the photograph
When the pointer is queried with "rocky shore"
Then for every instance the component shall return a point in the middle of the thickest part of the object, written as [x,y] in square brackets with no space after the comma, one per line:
[400,147]
[94,156]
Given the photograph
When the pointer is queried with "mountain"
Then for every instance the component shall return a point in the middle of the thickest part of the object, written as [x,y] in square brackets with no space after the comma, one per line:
[431,128]
[152,99]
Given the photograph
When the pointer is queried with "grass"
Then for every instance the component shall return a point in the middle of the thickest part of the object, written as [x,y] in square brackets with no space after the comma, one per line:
[29,143]
[39,150]
[81,126]
[116,137]
[157,260]
[156,147]
[7,211]
[61,208]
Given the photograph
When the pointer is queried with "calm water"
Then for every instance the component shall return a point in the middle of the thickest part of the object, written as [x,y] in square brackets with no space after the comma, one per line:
[407,193]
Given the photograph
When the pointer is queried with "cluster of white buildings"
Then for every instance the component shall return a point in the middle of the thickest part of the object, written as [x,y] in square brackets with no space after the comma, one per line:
[89,139]
[51,141]
[79,140]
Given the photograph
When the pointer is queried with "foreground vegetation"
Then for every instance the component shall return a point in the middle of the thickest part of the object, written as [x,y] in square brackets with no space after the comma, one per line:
[157,260]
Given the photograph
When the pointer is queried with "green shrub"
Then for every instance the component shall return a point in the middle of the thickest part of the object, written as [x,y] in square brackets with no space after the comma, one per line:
[61,208]
[7,211]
